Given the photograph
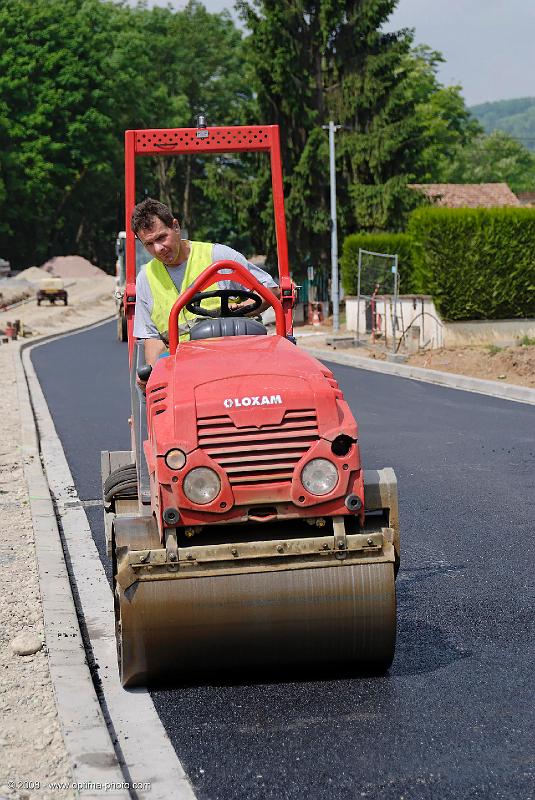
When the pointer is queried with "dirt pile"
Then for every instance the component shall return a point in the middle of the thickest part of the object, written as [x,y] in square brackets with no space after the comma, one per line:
[488,362]
[31,275]
[508,364]
[88,299]
[72,267]
[11,296]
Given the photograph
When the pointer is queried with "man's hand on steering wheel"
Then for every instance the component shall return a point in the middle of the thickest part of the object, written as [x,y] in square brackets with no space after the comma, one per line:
[248,303]
[243,305]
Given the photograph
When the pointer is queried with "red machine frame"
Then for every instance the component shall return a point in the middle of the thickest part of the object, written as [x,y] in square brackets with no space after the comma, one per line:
[181,141]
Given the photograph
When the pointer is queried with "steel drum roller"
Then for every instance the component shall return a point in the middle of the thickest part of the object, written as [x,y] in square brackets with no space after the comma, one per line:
[183,627]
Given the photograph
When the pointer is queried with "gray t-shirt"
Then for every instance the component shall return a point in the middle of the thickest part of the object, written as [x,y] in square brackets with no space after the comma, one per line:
[144,327]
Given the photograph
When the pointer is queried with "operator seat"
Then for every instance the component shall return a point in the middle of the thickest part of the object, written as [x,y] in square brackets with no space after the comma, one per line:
[227,326]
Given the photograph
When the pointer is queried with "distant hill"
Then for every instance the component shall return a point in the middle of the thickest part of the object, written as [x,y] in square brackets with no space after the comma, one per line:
[516,117]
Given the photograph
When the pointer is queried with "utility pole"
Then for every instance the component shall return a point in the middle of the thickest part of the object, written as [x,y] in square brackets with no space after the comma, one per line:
[335,296]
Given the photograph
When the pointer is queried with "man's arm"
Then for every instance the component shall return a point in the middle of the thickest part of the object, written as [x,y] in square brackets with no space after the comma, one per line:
[153,350]
[276,291]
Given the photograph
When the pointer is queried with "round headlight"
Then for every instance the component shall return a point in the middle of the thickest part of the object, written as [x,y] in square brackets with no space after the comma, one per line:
[175,459]
[201,485]
[319,476]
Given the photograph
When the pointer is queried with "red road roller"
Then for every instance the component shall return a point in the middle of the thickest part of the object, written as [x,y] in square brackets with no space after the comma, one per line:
[242,527]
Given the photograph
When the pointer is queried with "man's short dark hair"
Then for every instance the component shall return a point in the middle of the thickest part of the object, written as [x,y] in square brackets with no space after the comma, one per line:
[144,213]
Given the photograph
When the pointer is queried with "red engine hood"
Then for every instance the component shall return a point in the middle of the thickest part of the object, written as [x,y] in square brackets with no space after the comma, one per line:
[253,380]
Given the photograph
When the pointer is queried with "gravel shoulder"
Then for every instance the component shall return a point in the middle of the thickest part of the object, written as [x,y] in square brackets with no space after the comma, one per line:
[31,744]
[32,750]
[508,364]
[515,364]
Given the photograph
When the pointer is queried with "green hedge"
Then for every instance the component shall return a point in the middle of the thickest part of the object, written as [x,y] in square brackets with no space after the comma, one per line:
[399,243]
[476,263]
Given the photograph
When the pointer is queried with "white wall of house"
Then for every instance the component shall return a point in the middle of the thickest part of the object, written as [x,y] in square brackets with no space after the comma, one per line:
[502,332]
[414,312]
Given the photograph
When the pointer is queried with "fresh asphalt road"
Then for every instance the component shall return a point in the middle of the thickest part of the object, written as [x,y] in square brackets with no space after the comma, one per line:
[454,717]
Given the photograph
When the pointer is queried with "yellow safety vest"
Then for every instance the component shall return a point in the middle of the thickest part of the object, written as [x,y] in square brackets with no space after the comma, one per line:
[164,292]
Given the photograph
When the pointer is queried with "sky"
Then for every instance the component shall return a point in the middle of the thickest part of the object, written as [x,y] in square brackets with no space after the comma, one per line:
[488,44]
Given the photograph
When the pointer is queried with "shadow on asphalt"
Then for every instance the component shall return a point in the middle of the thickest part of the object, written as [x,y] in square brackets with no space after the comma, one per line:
[422,648]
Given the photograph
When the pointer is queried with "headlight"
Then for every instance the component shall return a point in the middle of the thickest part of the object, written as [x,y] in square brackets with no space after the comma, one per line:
[175,459]
[319,476]
[201,485]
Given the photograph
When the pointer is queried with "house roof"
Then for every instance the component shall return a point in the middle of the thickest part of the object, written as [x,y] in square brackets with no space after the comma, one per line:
[468,195]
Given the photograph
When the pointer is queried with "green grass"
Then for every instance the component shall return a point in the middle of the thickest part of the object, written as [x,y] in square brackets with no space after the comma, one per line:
[493,349]
[527,341]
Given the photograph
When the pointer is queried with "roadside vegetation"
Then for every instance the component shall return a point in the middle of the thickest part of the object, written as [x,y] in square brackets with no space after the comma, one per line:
[515,117]
[74,74]
[476,263]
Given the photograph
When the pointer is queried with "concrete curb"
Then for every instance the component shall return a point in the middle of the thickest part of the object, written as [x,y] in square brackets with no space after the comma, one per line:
[85,734]
[48,337]
[145,753]
[519,394]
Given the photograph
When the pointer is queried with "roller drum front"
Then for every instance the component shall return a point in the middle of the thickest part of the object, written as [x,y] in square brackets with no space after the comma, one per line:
[171,629]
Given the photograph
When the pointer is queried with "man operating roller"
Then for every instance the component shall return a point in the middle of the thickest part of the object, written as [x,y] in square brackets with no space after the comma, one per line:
[175,265]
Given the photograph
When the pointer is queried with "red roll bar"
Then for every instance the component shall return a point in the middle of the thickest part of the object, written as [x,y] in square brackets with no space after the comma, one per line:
[177,141]
[240,274]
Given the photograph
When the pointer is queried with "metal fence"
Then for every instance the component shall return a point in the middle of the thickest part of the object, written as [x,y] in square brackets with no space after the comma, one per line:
[315,289]
[378,275]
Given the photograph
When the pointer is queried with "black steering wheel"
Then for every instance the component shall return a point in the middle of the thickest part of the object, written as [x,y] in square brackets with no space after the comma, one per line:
[224,295]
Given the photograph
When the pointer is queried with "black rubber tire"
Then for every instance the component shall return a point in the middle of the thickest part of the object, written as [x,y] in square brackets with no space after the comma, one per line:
[122,328]
[121,482]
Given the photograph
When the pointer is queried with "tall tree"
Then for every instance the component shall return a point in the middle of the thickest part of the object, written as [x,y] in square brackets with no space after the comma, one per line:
[321,59]
[455,148]
[444,120]
[58,141]
[74,74]
[207,63]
